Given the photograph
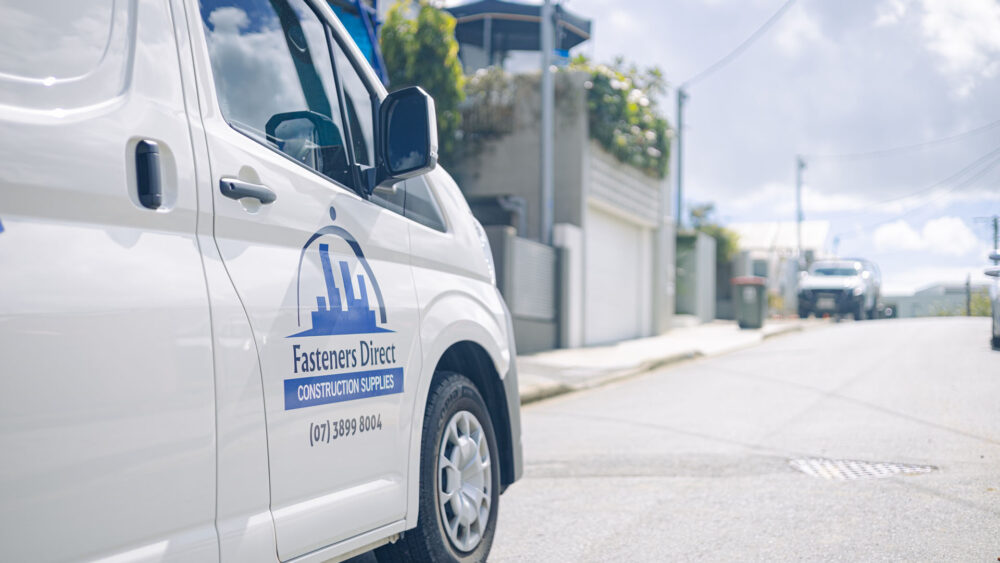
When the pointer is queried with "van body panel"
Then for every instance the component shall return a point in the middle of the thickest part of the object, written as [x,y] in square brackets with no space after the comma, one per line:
[244,524]
[107,397]
[197,377]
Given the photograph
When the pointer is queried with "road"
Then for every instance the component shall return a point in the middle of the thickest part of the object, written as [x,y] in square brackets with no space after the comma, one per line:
[692,462]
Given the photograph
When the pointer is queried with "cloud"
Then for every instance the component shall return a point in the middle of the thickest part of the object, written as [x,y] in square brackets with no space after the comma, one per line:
[906,282]
[948,236]
[890,12]
[796,31]
[965,37]
[778,198]
[898,235]
[229,19]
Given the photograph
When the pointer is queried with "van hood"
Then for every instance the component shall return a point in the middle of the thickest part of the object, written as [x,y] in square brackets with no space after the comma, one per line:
[829,282]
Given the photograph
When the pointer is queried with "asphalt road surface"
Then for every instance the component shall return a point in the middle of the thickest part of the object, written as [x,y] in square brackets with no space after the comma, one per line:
[695,461]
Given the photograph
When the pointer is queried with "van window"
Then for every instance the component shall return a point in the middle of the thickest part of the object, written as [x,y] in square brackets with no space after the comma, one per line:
[358,99]
[274,77]
[67,39]
[420,205]
[412,199]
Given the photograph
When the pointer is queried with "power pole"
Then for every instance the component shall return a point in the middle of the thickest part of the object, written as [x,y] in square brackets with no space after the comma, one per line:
[968,295]
[800,165]
[995,221]
[682,96]
[548,103]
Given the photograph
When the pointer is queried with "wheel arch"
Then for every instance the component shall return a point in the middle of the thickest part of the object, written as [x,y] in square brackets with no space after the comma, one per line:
[471,360]
[467,335]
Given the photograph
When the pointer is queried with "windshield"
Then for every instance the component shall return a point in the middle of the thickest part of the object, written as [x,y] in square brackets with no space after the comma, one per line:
[833,271]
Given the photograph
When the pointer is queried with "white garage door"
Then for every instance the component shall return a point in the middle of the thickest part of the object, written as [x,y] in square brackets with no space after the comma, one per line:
[617,283]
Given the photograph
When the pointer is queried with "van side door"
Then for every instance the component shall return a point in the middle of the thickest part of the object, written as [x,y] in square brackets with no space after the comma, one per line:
[107,412]
[323,274]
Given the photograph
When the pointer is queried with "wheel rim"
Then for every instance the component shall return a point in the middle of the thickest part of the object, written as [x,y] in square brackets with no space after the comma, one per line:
[465,481]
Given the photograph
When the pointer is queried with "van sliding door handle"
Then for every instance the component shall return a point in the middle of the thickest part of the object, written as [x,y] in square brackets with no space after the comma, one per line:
[238,189]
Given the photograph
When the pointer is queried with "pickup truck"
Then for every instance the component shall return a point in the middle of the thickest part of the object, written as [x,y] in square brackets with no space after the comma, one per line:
[838,287]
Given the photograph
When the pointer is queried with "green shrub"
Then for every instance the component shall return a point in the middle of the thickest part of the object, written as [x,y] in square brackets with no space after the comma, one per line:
[422,51]
[623,113]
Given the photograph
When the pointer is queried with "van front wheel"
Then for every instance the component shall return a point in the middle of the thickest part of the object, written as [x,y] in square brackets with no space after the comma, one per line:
[459,479]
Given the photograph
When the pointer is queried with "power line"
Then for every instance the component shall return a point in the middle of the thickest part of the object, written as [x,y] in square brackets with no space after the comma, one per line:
[959,186]
[955,175]
[904,148]
[741,47]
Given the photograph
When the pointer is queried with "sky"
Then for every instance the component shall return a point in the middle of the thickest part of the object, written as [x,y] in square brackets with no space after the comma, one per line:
[835,78]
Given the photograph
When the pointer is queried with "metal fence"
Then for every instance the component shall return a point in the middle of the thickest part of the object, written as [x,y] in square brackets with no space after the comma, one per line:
[527,276]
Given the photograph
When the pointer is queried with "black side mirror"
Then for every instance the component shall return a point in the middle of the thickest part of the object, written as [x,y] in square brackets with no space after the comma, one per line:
[407,125]
[311,138]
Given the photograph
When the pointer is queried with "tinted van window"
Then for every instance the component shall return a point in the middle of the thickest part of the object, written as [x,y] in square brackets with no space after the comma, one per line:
[274,79]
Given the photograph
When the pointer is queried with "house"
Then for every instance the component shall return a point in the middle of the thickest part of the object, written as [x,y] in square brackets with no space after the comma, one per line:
[612,220]
[937,299]
[770,250]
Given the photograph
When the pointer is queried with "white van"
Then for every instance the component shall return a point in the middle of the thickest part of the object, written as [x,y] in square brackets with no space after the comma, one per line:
[243,317]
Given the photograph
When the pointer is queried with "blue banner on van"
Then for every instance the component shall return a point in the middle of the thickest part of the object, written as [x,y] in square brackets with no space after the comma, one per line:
[325,389]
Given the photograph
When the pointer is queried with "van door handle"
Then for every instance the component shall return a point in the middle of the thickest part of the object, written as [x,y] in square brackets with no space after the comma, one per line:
[238,189]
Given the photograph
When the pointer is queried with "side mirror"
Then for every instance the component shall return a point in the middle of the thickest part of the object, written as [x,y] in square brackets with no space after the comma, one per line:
[407,125]
[310,138]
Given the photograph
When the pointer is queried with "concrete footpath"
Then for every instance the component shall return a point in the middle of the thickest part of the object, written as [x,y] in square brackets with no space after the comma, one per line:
[547,374]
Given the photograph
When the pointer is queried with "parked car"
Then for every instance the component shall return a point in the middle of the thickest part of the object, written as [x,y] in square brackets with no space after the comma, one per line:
[243,315]
[874,276]
[994,272]
[837,287]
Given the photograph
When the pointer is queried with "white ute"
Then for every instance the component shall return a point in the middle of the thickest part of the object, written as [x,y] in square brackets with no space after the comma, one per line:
[243,315]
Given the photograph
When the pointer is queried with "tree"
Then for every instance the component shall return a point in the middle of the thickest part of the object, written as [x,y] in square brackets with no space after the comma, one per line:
[422,51]
[726,240]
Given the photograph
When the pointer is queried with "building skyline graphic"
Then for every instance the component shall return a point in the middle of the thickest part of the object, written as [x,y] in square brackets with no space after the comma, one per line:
[333,315]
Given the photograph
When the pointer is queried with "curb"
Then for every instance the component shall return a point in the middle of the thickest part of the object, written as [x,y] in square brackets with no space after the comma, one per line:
[557,389]
[784,330]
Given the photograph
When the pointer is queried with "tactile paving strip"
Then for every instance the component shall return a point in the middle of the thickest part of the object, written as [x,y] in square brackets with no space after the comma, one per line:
[851,469]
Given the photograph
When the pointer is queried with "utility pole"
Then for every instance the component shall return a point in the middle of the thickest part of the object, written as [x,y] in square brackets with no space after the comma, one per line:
[800,165]
[548,103]
[995,221]
[682,96]
[968,295]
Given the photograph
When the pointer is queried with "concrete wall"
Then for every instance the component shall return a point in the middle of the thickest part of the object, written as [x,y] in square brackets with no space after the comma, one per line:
[696,276]
[569,240]
[500,155]
[510,164]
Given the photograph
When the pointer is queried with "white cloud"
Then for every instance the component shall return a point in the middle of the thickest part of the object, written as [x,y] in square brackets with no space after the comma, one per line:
[796,31]
[906,282]
[948,236]
[890,12]
[965,36]
[779,198]
[898,235]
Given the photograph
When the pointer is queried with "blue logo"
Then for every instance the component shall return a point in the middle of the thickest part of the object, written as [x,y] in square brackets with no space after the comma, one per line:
[353,314]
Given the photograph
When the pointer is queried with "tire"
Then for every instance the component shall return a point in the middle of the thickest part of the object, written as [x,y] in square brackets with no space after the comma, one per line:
[803,313]
[456,416]
[859,311]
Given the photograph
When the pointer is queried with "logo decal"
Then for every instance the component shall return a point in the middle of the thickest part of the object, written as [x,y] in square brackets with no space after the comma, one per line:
[318,368]
[332,316]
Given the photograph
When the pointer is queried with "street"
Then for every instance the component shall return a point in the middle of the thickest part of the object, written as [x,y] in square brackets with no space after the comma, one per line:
[692,462]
